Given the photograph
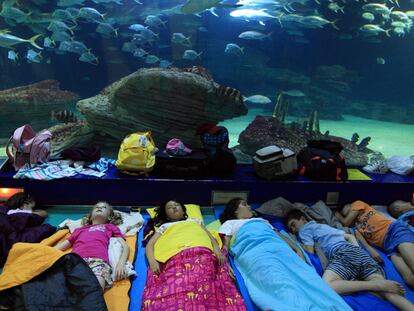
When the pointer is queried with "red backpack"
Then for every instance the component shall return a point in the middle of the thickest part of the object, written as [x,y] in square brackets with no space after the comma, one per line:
[28,147]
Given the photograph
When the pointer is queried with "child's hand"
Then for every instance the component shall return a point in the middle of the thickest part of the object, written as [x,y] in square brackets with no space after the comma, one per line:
[155,267]
[221,258]
[377,257]
[120,272]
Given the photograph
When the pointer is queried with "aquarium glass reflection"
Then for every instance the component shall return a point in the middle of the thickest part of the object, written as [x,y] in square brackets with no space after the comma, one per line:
[271,71]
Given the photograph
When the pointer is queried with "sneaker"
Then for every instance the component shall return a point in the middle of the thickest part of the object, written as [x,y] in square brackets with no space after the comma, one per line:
[376,167]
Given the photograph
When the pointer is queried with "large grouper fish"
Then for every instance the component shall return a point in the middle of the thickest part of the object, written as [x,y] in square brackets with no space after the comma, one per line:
[8,40]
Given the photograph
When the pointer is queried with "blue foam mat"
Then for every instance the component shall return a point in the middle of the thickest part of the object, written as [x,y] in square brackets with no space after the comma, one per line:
[362,301]
[141,266]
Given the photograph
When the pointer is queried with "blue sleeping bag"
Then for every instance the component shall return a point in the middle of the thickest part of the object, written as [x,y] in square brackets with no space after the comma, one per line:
[276,278]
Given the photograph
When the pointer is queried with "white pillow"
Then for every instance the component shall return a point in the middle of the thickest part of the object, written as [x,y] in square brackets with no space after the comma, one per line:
[131,223]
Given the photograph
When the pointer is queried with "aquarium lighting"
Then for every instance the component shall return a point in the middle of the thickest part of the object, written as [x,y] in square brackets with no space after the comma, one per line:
[6,193]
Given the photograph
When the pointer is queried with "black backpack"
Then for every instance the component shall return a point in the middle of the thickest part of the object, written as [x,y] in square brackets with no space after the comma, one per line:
[322,160]
[222,161]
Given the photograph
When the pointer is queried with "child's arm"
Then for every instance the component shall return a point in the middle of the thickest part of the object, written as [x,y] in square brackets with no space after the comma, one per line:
[292,245]
[40,212]
[349,219]
[63,246]
[220,257]
[226,243]
[149,251]
[377,257]
[120,267]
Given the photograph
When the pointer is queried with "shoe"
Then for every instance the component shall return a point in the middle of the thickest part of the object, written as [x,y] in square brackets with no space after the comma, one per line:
[376,167]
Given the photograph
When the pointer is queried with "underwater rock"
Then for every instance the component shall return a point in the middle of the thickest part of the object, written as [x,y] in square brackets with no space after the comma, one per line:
[69,135]
[32,104]
[265,131]
[169,102]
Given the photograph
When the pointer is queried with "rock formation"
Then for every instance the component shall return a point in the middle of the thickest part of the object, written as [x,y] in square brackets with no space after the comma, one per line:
[32,104]
[169,102]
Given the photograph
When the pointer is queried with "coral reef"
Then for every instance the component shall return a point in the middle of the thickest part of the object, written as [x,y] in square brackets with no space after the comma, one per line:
[32,104]
[265,131]
[170,102]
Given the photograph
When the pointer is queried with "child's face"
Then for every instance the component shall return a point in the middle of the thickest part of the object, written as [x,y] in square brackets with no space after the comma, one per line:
[244,211]
[28,205]
[401,207]
[295,225]
[101,211]
[174,211]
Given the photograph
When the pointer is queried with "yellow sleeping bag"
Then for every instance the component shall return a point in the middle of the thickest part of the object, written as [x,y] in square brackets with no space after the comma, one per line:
[179,237]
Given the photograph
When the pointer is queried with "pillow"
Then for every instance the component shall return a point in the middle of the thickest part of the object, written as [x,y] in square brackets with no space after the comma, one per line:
[278,207]
[382,209]
[214,226]
[131,223]
[193,211]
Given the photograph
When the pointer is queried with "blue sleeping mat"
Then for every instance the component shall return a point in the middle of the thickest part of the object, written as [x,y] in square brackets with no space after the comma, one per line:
[140,265]
[362,301]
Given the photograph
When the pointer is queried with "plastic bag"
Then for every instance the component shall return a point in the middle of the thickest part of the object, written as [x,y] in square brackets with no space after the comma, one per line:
[401,165]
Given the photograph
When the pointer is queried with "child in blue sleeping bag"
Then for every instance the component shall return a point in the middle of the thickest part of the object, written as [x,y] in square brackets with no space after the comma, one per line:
[276,278]
[350,269]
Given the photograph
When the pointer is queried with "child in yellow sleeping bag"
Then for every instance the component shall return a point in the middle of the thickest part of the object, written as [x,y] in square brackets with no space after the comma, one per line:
[186,267]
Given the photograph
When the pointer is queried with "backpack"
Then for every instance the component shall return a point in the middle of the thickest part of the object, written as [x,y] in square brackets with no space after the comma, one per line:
[221,159]
[322,160]
[137,153]
[28,147]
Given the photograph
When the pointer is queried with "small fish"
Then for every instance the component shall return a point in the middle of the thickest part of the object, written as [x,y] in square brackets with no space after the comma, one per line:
[12,55]
[254,35]
[139,52]
[106,29]
[165,63]
[335,7]
[33,56]
[178,37]
[91,14]
[368,16]
[89,57]
[154,21]
[7,40]
[380,61]
[294,93]
[151,59]
[64,116]
[191,55]
[258,99]
[137,27]
[48,43]
[233,48]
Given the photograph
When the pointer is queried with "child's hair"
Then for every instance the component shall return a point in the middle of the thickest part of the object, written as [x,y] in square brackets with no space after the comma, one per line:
[115,218]
[159,219]
[18,200]
[392,208]
[294,214]
[229,212]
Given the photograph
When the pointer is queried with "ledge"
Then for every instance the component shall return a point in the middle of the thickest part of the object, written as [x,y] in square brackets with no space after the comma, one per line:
[121,189]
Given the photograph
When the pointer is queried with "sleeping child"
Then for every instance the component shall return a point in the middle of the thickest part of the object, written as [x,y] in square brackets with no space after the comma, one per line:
[350,269]
[187,270]
[394,237]
[273,269]
[91,242]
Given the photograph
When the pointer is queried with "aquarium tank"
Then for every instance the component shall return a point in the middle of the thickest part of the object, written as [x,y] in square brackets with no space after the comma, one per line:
[271,71]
